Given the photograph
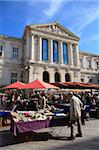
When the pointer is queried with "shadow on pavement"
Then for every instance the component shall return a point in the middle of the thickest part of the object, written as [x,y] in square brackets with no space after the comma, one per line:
[7,139]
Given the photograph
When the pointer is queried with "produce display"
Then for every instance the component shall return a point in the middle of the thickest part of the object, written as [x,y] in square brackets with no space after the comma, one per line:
[28,116]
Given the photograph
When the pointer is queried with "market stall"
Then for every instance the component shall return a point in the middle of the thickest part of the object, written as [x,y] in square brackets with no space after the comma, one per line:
[37,84]
[16,85]
[31,121]
[75,85]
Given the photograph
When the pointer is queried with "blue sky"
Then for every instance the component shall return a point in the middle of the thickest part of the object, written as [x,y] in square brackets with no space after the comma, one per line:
[79,16]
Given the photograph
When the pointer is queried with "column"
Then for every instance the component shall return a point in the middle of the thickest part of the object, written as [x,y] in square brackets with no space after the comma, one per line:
[40,49]
[28,47]
[77,55]
[60,52]
[32,50]
[70,54]
[50,50]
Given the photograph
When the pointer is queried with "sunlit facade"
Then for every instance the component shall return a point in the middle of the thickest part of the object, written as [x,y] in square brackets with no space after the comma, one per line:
[48,52]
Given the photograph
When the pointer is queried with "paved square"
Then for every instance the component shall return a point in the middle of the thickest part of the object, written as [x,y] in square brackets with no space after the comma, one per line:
[42,140]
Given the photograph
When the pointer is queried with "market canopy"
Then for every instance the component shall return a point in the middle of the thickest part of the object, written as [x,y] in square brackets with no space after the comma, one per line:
[76,85]
[16,85]
[37,84]
[65,84]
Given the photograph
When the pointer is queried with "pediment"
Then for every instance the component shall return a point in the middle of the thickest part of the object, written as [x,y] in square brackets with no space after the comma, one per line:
[54,28]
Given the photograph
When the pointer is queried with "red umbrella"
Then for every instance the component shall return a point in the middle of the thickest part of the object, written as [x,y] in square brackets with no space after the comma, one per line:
[36,84]
[16,85]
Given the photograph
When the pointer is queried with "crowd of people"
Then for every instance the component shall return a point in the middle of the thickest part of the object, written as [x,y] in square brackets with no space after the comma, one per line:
[80,104]
[41,99]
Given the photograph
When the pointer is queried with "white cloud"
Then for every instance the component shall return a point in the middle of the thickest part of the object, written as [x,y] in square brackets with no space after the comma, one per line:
[53,8]
[83,12]
[88,19]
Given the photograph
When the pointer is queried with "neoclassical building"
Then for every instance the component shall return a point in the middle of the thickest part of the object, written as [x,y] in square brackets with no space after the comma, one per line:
[48,52]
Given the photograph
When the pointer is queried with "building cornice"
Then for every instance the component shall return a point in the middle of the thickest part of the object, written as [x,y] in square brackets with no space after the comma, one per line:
[4,37]
[54,34]
[58,25]
[88,73]
[52,65]
[88,54]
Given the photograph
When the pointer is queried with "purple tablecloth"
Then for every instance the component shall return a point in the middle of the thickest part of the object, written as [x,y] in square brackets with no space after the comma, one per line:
[22,127]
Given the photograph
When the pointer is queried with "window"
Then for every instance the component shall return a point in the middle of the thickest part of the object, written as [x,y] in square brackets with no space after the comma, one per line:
[13,77]
[45,76]
[81,62]
[82,80]
[90,80]
[55,51]
[44,49]
[1,50]
[67,77]
[15,52]
[57,77]
[89,63]
[97,64]
[65,53]
[98,81]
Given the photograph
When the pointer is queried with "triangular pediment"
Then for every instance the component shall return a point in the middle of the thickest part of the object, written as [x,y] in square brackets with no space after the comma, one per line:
[54,28]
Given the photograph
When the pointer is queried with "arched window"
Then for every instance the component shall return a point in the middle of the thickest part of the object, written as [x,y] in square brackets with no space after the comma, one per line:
[67,77]
[57,77]
[45,76]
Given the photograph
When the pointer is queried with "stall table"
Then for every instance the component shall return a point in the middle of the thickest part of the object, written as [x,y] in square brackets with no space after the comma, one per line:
[22,127]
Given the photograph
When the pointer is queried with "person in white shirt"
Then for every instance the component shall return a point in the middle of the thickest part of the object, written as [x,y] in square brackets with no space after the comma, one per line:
[75,114]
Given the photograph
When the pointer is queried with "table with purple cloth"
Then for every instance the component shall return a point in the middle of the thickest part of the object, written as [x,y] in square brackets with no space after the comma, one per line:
[21,127]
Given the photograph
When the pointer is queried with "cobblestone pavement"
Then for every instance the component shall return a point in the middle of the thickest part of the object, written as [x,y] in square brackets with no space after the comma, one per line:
[43,141]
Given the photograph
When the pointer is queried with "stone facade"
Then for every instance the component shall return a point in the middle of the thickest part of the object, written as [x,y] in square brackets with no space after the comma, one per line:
[24,57]
[8,64]
[89,68]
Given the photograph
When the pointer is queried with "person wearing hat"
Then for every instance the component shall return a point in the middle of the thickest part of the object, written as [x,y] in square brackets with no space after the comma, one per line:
[75,114]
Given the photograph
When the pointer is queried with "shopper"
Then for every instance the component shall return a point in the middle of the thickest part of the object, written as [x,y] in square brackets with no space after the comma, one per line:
[75,115]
